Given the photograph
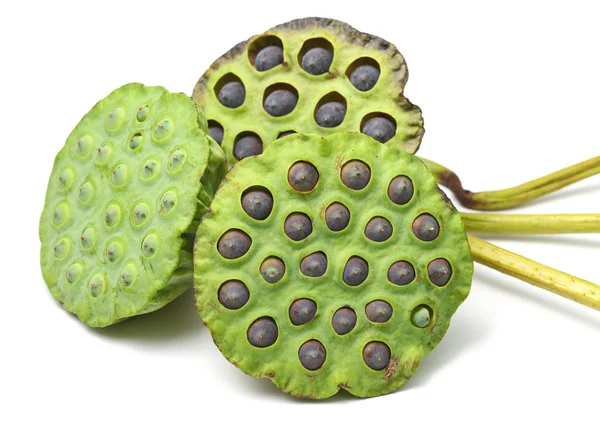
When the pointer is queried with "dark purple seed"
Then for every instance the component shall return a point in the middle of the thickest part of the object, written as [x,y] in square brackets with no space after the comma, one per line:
[312,355]
[425,227]
[232,94]
[302,311]
[378,229]
[378,311]
[280,102]
[234,244]
[364,77]
[297,226]
[262,332]
[272,269]
[355,174]
[233,294]
[439,271]
[379,128]
[376,355]
[337,217]
[317,61]
[400,190]
[401,273]
[268,58]
[258,203]
[216,131]
[286,133]
[343,321]
[355,271]
[248,145]
[331,114]
[314,265]
[303,176]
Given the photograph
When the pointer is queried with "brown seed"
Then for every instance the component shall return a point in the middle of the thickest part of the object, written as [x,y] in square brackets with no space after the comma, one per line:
[355,174]
[378,229]
[425,227]
[303,176]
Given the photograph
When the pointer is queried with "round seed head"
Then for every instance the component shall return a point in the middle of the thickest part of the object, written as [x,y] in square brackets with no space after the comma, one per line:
[439,271]
[233,294]
[380,128]
[302,311]
[421,316]
[272,269]
[247,145]
[303,176]
[355,271]
[258,203]
[376,355]
[314,265]
[312,355]
[378,311]
[378,229]
[317,61]
[281,102]
[400,190]
[331,114]
[401,273]
[343,321]
[356,174]
[364,77]
[337,216]
[232,94]
[216,131]
[234,244]
[269,57]
[425,227]
[263,332]
[297,226]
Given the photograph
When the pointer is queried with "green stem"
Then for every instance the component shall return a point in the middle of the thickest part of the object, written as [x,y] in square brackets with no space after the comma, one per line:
[515,196]
[495,223]
[563,284]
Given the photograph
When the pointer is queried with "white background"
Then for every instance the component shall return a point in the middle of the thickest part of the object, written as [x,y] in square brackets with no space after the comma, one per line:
[509,92]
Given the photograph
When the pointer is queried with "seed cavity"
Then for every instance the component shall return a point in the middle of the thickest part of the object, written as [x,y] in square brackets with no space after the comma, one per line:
[316,56]
[61,214]
[257,202]
[285,133]
[65,180]
[379,126]
[272,269]
[355,174]
[421,316]
[149,169]
[135,141]
[425,227]
[176,160]
[266,53]
[114,251]
[337,216]
[61,248]
[355,271]
[302,311]
[115,118]
[74,273]
[314,265]
[230,91]
[88,238]
[400,190]
[247,144]
[167,202]
[343,321]
[162,130]
[140,213]
[234,244]
[312,355]
[364,73]
[379,311]
[401,273]
[263,332]
[376,355]
[303,176]
[83,146]
[142,113]
[96,285]
[118,177]
[128,275]
[149,245]
[112,215]
[439,272]
[233,294]
[280,99]
[378,229]
[216,131]
[297,226]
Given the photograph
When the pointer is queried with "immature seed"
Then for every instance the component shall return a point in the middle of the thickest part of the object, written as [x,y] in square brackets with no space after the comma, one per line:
[268,58]
[421,316]
[376,355]
[258,203]
[234,244]
[317,61]
[247,145]
[379,128]
[355,174]
[401,273]
[314,265]
[312,355]
[378,311]
[302,311]
[297,226]
[439,271]
[233,294]
[331,114]
[364,77]
[400,190]
[337,216]
[378,229]
[343,321]
[303,176]
[272,269]
[425,227]
[355,271]
[262,332]
[232,94]
[280,102]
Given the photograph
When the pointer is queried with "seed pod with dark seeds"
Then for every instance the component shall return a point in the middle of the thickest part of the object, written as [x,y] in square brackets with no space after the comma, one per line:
[330,316]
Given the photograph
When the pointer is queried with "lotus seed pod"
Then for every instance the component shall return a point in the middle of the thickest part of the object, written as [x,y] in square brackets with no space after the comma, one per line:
[335,309]
[120,207]
[311,76]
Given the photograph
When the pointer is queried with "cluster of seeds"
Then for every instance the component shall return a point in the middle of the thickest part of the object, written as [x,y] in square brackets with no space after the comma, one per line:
[308,76]
[361,249]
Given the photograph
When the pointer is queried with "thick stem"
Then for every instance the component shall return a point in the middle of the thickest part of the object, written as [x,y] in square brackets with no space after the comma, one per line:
[515,196]
[495,223]
[563,284]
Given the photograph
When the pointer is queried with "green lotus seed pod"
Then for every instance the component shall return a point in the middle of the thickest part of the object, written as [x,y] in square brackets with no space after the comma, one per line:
[121,210]
[310,76]
[338,308]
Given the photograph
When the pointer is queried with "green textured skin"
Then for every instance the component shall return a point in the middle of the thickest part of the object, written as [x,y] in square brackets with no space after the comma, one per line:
[103,149]
[344,367]
[349,45]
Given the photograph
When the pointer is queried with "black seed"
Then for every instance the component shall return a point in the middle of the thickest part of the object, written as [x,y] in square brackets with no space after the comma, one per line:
[268,58]
[262,332]
[234,244]
[425,227]
[314,265]
[364,77]
[303,176]
[272,269]
[343,321]
[302,311]
[233,294]
[216,131]
[312,355]
[355,271]
[400,190]
[378,229]
[401,273]
[376,355]
[286,133]
[379,311]
[379,128]
[247,145]
[297,226]
[439,271]
[280,102]
[317,61]
[355,174]
[232,94]
[330,114]
[337,216]
[258,203]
